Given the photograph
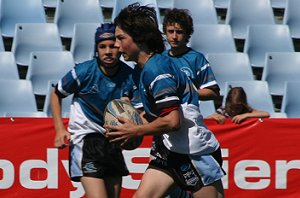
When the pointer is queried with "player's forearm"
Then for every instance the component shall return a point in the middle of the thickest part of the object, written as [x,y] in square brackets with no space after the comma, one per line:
[208,94]
[168,123]
[56,112]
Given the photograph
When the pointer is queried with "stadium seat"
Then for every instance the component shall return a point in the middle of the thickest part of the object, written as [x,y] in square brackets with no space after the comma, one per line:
[122,4]
[165,4]
[70,12]
[2,48]
[278,115]
[16,11]
[16,96]
[281,67]
[35,114]
[8,66]
[258,94]
[207,108]
[212,39]
[230,67]
[50,3]
[83,42]
[261,39]
[203,12]
[281,4]
[291,17]
[45,66]
[107,3]
[31,37]
[240,14]
[290,101]
[66,102]
[221,4]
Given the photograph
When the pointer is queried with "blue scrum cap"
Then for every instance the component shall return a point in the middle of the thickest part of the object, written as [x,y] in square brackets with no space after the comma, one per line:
[105,32]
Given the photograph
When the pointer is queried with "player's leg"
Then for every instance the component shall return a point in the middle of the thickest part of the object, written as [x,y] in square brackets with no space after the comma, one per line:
[214,190]
[94,187]
[113,186]
[154,184]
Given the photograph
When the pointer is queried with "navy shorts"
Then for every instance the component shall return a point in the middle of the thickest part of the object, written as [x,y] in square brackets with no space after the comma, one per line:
[95,157]
[189,171]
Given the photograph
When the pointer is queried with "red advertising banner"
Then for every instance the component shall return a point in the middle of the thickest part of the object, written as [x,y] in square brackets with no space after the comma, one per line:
[261,158]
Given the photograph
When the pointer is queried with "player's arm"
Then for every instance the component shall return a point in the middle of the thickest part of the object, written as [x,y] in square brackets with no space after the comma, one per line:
[61,135]
[128,130]
[208,94]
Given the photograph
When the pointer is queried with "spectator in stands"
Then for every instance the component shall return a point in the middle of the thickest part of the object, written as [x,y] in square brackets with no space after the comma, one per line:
[237,108]
[178,28]
[182,142]
[98,164]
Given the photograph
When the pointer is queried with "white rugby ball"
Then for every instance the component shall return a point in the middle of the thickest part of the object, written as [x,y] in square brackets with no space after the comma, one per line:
[124,109]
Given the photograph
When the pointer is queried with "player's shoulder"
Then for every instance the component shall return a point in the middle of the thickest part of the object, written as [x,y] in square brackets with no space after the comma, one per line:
[195,53]
[87,65]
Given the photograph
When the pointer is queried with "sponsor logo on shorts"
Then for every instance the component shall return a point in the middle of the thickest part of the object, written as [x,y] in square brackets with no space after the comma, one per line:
[189,175]
[89,168]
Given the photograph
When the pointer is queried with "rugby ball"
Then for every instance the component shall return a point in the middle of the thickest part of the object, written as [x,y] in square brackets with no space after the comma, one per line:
[124,109]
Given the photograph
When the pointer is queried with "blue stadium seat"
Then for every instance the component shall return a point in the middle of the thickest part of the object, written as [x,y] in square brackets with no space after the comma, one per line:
[66,102]
[230,67]
[290,101]
[83,43]
[281,67]
[35,114]
[8,66]
[278,115]
[50,3]
[165,4]
[240,14]
[122,4]
[291,17]
[207,107]
[221,4]
[16,96]
[281,4]
[16,11]
[258,94]
[261,39]
[2,48]
[203,12]
[212,39]
[107,3]
[45,66]
[31,37]
[70,12]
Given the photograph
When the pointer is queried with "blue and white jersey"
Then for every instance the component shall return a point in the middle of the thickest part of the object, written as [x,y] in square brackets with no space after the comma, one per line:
[196,67]
[92,91]
[162,85]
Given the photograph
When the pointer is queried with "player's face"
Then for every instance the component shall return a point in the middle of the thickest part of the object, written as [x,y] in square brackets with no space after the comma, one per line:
[126,45]
[175,35]
[108,53]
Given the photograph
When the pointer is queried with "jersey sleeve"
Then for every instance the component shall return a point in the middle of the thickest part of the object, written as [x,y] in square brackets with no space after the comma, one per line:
[163,90]
[205,76]
[70,83]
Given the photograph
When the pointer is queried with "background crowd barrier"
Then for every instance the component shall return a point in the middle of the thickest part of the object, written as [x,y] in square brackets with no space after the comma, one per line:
[261,158]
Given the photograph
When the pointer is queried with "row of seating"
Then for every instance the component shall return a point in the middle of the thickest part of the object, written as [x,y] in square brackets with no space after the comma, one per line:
[18,99]
[165,4]
[47,65]
[239,14]
[207,39]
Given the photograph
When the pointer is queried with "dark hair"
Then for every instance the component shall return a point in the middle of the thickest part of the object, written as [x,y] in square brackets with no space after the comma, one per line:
[236,102]
[141,24]
[182,17]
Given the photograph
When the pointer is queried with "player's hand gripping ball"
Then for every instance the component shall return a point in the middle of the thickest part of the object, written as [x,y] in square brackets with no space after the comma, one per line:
[124,109]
